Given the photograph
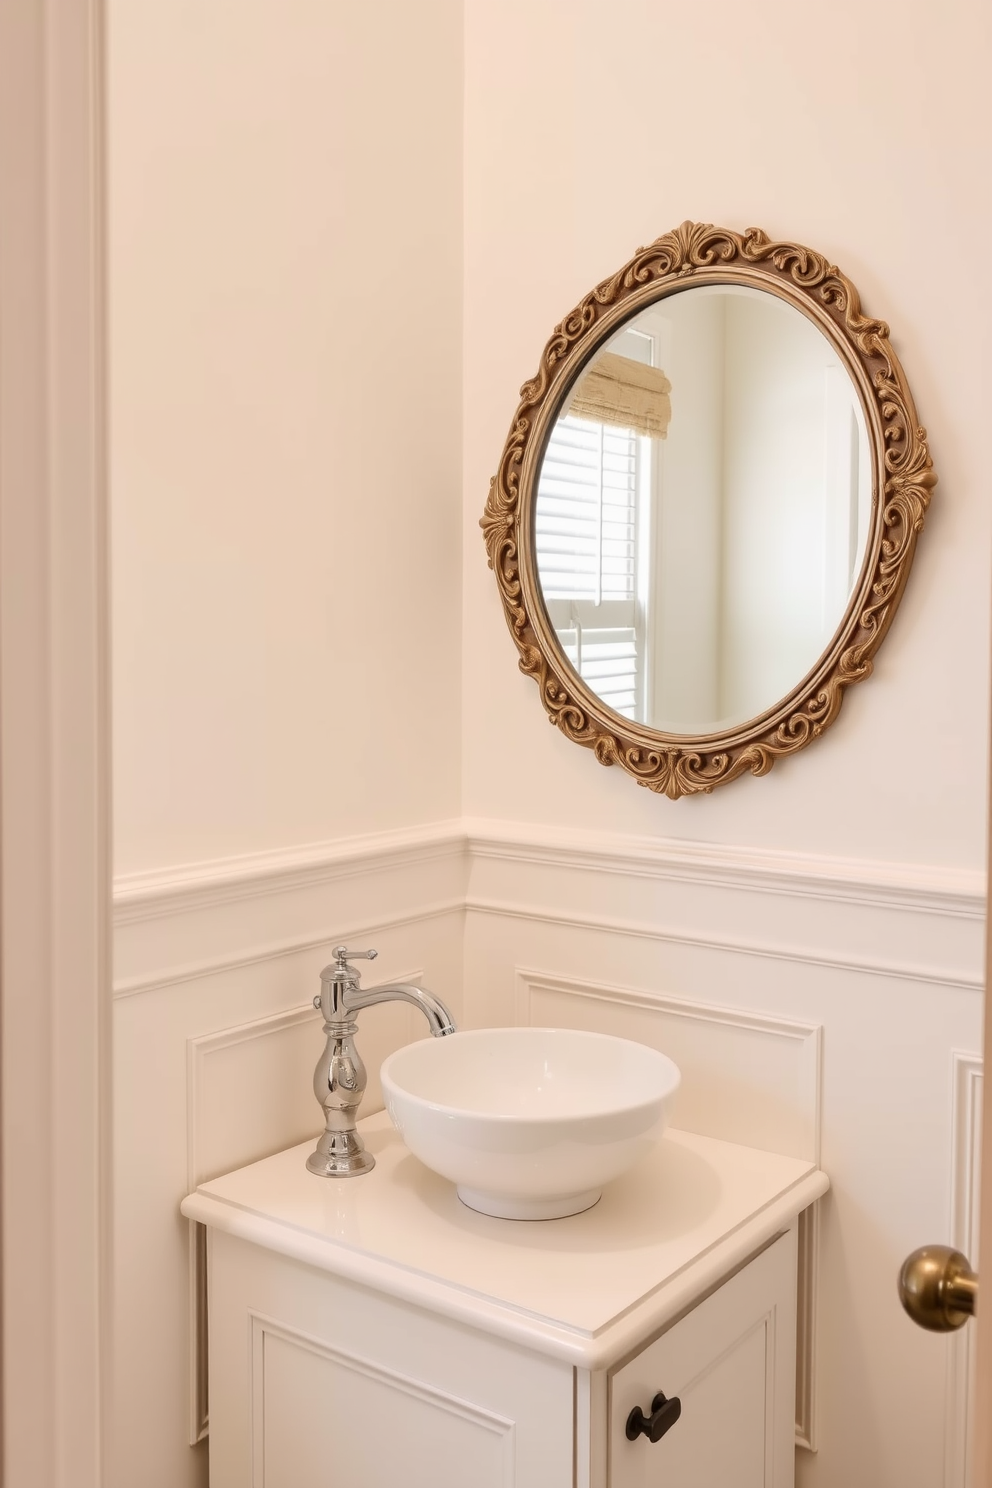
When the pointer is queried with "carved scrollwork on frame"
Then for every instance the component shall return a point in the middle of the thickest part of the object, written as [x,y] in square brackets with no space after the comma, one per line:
[676,764]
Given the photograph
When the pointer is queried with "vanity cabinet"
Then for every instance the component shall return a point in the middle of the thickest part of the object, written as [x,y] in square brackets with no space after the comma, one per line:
[375,1332]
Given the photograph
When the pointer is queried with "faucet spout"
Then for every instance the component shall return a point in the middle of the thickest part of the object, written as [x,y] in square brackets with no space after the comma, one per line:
[339,1079]
[439,1019]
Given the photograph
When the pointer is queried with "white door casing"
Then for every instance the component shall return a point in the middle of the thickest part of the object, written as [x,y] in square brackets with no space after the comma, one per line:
[54,746]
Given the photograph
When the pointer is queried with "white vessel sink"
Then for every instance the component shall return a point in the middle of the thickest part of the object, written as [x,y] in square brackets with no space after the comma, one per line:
[530,1123]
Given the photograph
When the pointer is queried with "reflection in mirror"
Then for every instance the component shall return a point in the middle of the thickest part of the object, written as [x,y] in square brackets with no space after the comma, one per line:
[703,508]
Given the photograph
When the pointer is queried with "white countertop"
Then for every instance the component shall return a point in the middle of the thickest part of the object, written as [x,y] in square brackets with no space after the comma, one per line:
[583,1288]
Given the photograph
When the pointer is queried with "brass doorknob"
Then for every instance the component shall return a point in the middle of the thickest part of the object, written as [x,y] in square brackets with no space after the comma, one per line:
[938,1288]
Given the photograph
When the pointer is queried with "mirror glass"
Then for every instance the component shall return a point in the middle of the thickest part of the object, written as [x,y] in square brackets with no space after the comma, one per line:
[703,507]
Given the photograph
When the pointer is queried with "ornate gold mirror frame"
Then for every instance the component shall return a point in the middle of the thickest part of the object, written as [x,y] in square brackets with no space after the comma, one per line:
[700,254]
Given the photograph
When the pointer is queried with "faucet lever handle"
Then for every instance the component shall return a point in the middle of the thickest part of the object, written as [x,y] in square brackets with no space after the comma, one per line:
[342,955]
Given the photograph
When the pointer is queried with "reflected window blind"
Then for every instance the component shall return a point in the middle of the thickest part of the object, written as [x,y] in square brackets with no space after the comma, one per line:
[586,512]
[607,660]
[586,541]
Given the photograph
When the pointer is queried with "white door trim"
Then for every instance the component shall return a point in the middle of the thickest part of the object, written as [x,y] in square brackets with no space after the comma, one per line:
[54,746]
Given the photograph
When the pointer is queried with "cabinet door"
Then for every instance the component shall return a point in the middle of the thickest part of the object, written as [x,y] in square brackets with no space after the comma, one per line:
[731,1362]
[324,1416]
[316,1382]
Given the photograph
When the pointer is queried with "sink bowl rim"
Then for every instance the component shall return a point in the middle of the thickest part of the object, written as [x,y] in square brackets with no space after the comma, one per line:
[594,1112]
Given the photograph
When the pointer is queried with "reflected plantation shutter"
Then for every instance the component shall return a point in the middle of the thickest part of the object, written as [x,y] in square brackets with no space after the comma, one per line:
[586,541]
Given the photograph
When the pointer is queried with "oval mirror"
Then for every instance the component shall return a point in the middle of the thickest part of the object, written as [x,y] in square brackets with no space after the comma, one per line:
[707,507]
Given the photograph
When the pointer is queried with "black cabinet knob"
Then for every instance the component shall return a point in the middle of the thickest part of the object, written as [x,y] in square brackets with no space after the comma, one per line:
[664,1414]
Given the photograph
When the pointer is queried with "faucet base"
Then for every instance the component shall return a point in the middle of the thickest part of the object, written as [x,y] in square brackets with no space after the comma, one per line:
[340,1155]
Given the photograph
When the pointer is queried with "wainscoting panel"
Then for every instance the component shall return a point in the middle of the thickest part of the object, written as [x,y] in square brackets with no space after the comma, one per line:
[216,1040]
[792,992]
[745,1078]
[267,1061]
[561,927]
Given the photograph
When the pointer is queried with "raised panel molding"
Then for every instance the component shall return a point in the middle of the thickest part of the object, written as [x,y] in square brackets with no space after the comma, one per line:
[452,1406]
[966,1164]
[775,1108]
[967,1141]
[210,1150]
[273,1058]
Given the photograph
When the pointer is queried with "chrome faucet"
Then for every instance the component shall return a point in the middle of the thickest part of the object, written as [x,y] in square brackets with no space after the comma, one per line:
[339,1079]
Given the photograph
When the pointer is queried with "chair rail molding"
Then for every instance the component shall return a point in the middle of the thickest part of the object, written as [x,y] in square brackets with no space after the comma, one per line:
[194,886]
[912,922]
[189,920]
[914,887]
[199,919]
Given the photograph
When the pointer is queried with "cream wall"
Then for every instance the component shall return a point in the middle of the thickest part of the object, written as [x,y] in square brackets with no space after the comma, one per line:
[303,206]
[858,129]
[284,240]
[285,306]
